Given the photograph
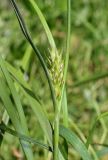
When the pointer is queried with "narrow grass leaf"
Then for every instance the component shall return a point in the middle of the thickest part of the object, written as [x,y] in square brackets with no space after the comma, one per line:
[35,104]
[74,140]
[64,149]
[13,114]
[41,116]
[44,23]
[14,94]
[65,122]
[4,128]
[90,79]
[29,39]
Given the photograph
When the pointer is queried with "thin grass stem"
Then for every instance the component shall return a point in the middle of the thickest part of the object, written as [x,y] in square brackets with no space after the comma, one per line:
[39,55]
[57,111]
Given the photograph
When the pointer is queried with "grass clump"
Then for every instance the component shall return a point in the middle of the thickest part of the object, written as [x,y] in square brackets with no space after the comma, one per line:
[26,98]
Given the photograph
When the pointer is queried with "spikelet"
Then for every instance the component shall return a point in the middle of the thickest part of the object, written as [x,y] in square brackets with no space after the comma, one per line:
[56,71]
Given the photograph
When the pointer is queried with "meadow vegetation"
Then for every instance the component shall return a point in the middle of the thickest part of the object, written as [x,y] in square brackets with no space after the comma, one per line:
[53,80]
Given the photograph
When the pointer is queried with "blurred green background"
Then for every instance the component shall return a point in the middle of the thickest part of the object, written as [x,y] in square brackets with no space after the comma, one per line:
[88,58]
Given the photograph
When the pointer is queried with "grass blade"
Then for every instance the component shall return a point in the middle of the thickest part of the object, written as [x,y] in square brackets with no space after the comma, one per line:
[91,79]
[14,94]
[65,121]
[40,114]
[35,104]
[13,114]
[72,139]
[27,36]
[81,135]
[3,128]
[44,23]
[64,149]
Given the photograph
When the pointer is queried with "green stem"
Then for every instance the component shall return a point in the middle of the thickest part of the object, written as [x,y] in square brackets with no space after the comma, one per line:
[39,55]
[67,53]
[67,49]
[58,107]
[68,38]
[65,109]
[56,138]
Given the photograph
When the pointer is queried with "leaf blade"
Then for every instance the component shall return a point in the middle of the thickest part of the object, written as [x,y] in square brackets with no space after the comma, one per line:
[72,138]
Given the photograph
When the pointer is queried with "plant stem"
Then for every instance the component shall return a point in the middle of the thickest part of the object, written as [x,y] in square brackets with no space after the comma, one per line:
[56,137]
[39,55]
[58,107]
[65,109]
[67,53]
[67,50]
[68,38]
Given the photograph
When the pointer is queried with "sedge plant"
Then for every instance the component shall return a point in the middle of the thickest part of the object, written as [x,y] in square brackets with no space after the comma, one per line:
[56,74]
[55,68]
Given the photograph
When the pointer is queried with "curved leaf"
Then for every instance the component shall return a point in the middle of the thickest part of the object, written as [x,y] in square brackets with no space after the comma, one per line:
[13,114]
[33,101]
[44,23]
[34,47]
[3,127]
[74,140]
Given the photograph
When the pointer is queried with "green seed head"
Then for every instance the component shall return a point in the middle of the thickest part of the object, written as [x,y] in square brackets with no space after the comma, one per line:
[56,72]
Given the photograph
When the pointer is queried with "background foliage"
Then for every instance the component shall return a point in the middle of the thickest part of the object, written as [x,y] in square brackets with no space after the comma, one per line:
[88,58]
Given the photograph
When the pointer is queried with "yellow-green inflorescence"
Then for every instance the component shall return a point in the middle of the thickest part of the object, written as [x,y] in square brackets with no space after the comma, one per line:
[56,71]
